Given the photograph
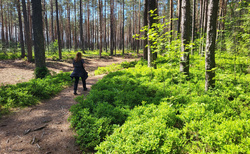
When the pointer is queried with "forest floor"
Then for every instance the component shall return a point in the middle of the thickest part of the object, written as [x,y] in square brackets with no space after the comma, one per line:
[44,128]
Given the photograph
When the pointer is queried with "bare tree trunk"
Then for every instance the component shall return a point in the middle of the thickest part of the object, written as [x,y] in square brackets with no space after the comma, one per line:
[27,32]
[58,31]
[38,34]
[2,29]
[210,46]
[75,41]
[81,30]
[105,34]
[88,25]
[204,26]
[193,26]
[179,17]
[153,5]
[185,36]
[100,14]
[145,49]
[29,17]
[52,21]
[46,24]
[139,24]
[123,20]
[6,31]
[171,22]
[68,26]
[20,29]
[112,39]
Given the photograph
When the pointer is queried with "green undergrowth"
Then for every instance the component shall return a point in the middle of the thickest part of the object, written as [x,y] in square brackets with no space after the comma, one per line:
[10,55]
[145,110]
[115,67]
[29,93]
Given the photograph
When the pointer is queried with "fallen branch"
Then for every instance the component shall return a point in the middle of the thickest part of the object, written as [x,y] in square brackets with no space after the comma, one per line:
[40,128]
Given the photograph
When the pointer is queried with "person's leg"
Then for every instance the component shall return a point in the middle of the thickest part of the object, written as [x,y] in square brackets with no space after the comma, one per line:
[84,84]
[76,84]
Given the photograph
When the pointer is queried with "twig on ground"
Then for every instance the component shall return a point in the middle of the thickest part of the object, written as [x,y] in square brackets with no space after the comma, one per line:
[38,146]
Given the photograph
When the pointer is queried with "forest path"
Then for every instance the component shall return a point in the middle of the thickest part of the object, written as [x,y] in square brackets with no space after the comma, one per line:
[45,128]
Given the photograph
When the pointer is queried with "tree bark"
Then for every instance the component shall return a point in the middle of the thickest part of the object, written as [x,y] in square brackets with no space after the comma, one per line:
[20,29]
[210,46]
[139,24]
[100,14]
[81,30]
[46,24]
[123,20]
[185,37]
[193,26]
[88,27]
[153,5]
[112,39]
[171,22]
[179,17]
[58,31]
[2,32]
[75,41]
[145,49]
[68,26]
[52,21]
[27,32]
[38,34]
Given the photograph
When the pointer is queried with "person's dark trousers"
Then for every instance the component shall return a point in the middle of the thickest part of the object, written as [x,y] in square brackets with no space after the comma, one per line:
[76,84]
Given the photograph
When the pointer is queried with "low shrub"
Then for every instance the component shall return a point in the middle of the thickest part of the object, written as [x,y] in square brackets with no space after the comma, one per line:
[146,110]
[29,93]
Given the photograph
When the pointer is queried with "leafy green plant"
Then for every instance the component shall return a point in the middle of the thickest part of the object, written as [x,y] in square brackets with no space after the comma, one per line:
[41,72]
[145,110]
[29,93]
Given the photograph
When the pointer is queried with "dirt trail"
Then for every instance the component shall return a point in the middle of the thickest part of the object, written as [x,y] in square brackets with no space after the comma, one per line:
[44,128]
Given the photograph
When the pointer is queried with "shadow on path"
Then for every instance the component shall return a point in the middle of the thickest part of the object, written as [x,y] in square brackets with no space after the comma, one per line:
[42,128]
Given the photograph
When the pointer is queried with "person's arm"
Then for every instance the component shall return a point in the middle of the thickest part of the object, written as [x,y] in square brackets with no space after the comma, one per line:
[83,64]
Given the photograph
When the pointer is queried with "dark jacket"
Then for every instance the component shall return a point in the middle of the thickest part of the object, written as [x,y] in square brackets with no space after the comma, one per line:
[79,71]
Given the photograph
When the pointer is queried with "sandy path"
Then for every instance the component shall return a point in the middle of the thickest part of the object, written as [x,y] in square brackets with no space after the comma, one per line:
[44,128]
[55,137]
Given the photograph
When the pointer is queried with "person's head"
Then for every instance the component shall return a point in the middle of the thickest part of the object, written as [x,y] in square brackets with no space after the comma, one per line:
[78,56]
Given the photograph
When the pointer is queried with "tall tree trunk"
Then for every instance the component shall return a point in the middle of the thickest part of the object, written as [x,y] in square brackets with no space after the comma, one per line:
[52,21]
[123,20]
[81,30]
[8,27]
[58,31]
[171,17]
[210,46]
[112,39]
[88,26]
[153,5]
[46,24]
[2,29]
[105,33]
[68,26]
[185,37]
[100,14]
[6,31]
[145,49]
[204,26]
[179,17]
[20,29]
[193,26]
[27,32]
[75,41]
[29,17]
[37,21]
[139,24]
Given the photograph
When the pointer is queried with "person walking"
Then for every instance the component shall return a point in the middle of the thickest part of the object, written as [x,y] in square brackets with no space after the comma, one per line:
[79,71]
